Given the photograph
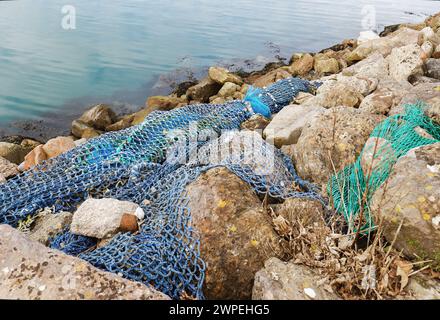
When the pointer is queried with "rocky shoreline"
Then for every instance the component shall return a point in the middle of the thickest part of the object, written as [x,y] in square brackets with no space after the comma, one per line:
[273,250]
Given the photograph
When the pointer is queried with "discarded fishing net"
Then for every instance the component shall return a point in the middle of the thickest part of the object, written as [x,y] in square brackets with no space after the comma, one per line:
[352,188]
[151,164]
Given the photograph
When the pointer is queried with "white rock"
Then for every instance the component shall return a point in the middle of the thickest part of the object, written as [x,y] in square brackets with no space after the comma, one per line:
[286,127]
[100,218]
[405,62]
[140,214]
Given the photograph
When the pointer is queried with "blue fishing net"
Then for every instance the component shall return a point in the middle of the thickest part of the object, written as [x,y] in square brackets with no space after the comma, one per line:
[151,164]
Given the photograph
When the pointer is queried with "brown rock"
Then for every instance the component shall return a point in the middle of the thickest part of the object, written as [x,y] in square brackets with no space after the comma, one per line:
[326,66]
[271,77]
[256,123]
[82,130]
[222,75]
[336,138]
[99,117]
[411,196]
[236,236]
[30,271]
[129,223]
[302,66]
[203,90]
[162,103]
[52,148]
[124,123]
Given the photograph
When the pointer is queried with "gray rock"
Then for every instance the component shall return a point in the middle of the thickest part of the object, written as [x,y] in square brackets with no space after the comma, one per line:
[280,280]
[412,195]
[222,75]
[49,226]
[236,235]
[100,218]
[421,287]
[375,66]
[432,68]
[30,271]
[286,127]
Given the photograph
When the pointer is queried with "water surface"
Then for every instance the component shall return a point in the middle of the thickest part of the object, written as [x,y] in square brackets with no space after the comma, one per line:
[120,47]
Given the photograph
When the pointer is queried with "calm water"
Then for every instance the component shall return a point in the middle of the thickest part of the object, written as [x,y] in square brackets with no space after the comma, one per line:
[120,47]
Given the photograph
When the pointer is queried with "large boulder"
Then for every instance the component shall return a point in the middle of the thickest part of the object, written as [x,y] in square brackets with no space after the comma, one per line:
[99,117]
[222,75]
[375,66]
[203,90]
[286,127]
[101,218]
[424,92]
[411,196]
[385,45]
[332,141]
[12,152]
[405,61]
[53,148]
[348,91]
[280,280]
[236,235]
[31,271]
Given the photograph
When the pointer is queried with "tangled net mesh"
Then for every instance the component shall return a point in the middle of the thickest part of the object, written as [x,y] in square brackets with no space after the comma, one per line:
[352,188]
[151,164]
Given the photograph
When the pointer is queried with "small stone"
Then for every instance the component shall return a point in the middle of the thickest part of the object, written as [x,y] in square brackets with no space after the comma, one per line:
[139,213]
[12,152]
[100,218]
[129,223]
